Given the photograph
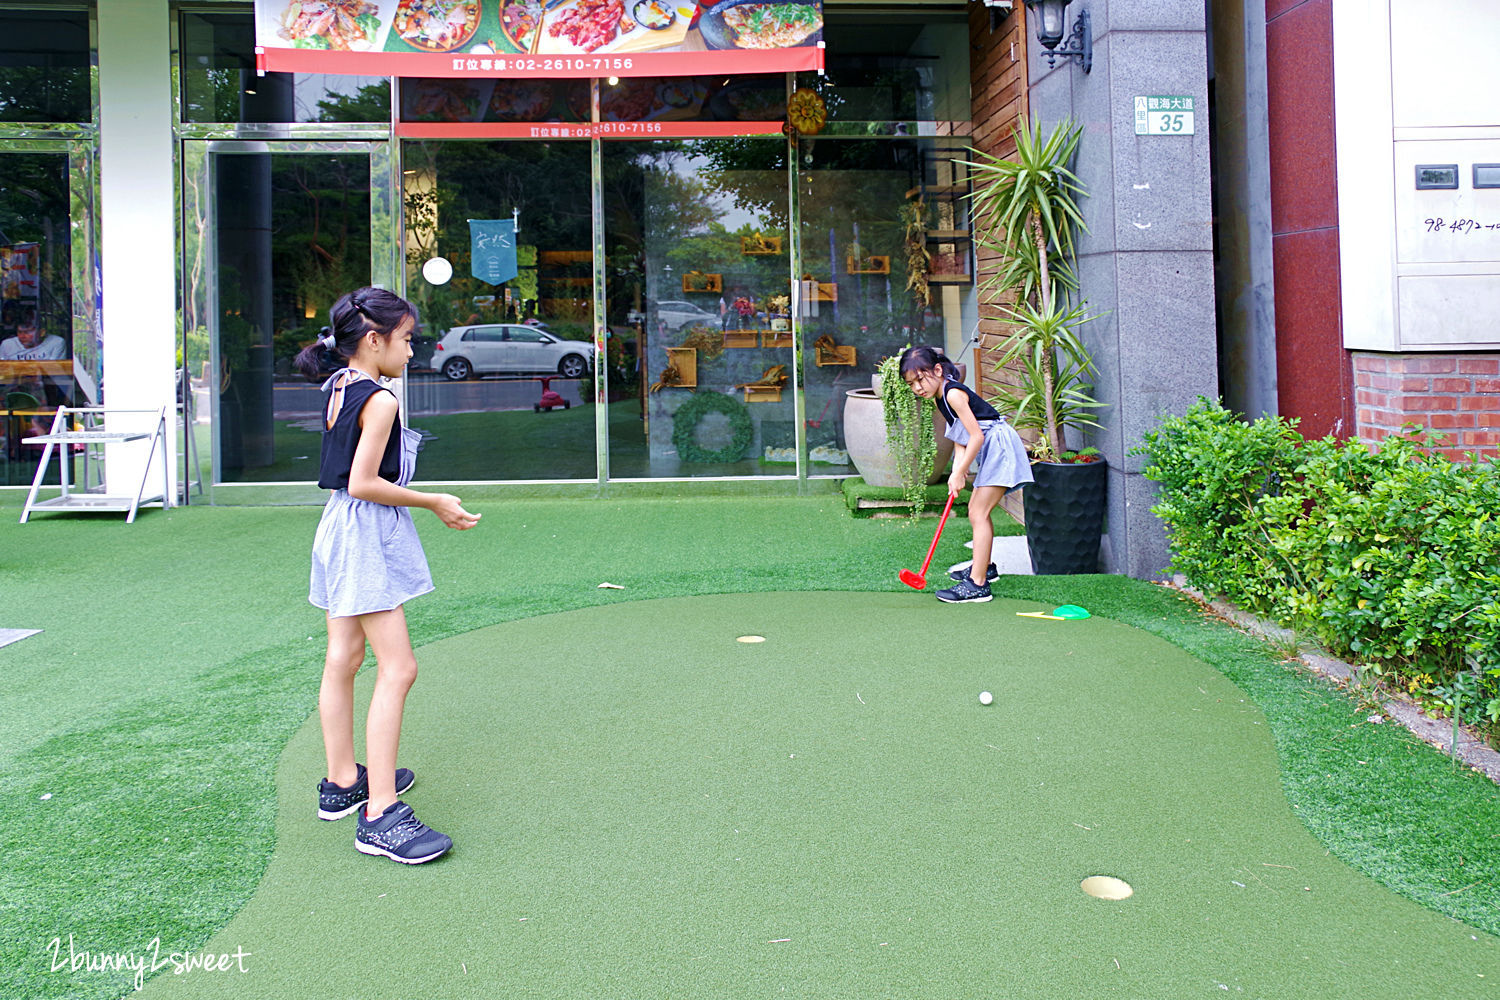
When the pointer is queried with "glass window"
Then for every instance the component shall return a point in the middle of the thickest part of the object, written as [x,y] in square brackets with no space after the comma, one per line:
[283,235]
[506,403]
[36,326]
[760,98]
[525,100]
[219,83]
[885,263]
[44,66]
[894,67]
[700,359]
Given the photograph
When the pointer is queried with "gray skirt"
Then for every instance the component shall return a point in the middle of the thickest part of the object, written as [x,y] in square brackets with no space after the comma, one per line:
[1002,459]
[366,557]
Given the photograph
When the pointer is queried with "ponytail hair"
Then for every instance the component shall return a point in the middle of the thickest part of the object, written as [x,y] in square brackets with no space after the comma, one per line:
[351,317]
[923,358]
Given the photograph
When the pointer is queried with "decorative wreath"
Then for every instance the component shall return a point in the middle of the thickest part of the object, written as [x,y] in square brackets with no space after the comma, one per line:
[805,111]
[685,428]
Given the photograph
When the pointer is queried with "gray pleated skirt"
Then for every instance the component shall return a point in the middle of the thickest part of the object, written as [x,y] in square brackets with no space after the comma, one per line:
[1002,457]
[366,557]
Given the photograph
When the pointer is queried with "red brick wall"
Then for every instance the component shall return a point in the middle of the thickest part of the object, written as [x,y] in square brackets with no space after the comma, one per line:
[1313,376]
[1456,395]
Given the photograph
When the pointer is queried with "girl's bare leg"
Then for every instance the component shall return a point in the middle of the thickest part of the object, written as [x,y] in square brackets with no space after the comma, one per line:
[346,651]
[396,670]
[981,503]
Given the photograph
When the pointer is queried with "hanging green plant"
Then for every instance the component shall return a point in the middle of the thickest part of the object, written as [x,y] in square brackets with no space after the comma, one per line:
[908,432]
[685,428]
[918,260]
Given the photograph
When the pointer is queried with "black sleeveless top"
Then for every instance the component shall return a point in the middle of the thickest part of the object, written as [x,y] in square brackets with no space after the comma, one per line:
[340,440]
[981,409]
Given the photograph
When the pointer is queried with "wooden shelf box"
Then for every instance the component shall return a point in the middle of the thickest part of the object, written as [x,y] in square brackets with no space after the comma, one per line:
[741,338]
[868,265]
[776,338]
[843,354]
[685,360]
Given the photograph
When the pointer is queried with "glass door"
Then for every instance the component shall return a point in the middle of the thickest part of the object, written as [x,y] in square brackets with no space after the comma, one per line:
[274,232]
[700,300]
[502,381]
[886,263]
[48,354]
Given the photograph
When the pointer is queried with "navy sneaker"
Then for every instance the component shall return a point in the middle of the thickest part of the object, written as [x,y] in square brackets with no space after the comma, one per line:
[398,834]
[965,591]
[336,801]
[961,571]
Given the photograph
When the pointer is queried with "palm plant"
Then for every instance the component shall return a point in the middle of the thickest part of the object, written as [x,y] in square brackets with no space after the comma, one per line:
[1026,209]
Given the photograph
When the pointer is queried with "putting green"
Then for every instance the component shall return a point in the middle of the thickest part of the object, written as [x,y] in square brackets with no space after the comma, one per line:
[644,806]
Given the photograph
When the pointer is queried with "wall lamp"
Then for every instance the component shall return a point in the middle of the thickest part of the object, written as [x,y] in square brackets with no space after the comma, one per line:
[1049,31]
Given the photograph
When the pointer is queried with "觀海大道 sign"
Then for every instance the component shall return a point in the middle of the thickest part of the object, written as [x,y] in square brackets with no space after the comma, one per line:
[1164,114]
[537,38]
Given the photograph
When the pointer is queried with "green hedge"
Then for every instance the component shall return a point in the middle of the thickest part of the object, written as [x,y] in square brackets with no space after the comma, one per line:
[1389,556]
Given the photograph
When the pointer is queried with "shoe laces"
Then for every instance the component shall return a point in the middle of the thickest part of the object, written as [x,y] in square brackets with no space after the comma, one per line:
[407,827]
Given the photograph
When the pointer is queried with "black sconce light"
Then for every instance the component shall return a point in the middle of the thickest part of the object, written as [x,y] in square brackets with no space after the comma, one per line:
[1049,31]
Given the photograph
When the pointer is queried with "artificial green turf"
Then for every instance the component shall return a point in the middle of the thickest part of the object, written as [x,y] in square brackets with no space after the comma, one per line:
[179,656]
[644,806]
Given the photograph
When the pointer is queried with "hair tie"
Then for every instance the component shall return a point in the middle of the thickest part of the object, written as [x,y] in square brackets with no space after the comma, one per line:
[328,341]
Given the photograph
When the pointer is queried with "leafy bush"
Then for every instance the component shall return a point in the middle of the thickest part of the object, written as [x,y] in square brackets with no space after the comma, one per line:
[1390,555]
[1214,470]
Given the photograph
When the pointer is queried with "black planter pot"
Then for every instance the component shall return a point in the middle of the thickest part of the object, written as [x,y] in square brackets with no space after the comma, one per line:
[1065,516]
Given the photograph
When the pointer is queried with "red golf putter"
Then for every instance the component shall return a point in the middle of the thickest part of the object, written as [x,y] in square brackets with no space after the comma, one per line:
[918,581]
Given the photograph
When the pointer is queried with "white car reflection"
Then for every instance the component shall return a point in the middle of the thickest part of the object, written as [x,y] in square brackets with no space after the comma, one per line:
[677,314]
[512,348]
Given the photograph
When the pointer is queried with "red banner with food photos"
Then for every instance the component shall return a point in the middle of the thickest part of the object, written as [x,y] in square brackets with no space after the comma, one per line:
[538,38]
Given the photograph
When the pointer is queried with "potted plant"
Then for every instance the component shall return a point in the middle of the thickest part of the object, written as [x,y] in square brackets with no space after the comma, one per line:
[891,436]
[1026,209]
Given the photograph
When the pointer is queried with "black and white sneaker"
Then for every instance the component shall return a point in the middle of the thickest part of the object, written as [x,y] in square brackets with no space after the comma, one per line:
[965,591]
[336,801]
[398,834]
[961,571]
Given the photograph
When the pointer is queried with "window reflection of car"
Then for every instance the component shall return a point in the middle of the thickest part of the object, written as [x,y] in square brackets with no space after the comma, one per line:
[423,347]
[678,314]
[510,348]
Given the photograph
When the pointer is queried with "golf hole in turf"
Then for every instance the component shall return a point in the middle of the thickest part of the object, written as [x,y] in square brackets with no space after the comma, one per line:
[751,638]
[1106,887]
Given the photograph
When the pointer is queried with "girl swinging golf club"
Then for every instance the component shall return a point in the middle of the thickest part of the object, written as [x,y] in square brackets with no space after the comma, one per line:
[366,563]
[980,433]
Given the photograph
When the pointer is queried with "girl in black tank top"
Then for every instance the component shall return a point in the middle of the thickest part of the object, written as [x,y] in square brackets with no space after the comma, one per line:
[366,563]
[982,434]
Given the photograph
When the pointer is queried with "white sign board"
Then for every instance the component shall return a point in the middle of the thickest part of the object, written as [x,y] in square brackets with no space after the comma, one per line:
[1169,114]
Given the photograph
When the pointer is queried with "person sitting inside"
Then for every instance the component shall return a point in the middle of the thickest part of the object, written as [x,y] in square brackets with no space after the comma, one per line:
[29,343]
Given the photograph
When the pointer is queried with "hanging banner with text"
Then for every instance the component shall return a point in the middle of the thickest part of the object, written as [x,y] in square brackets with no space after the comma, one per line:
[492,246]
[537,38]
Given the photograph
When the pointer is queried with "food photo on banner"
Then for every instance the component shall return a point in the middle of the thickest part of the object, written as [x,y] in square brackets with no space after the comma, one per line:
[517,38]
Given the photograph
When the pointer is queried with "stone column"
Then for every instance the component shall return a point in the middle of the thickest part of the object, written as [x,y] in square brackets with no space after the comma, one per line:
[1146,264]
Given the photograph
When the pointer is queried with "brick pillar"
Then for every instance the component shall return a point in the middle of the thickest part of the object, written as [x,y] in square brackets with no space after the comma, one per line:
[1455,395]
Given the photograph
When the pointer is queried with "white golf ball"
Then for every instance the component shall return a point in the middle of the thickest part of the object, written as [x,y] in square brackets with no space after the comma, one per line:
[985,697]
